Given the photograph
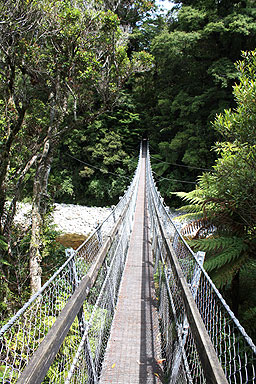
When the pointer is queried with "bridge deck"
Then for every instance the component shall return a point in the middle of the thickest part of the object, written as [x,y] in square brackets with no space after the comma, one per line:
[134,344]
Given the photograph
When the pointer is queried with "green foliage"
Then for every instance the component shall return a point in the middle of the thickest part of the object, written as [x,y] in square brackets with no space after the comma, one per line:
[196,197]
[94,90]
[3,246]
[225,256]
[105,157]
[191,82]
[14,273]
[226,196]
[53,253]
[64,64]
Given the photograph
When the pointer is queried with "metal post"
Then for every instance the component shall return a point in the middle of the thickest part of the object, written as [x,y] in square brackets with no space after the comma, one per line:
[113,213]
[99,235]
[81,321]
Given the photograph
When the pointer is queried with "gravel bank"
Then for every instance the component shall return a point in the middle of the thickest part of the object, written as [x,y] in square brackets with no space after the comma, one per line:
[69,218]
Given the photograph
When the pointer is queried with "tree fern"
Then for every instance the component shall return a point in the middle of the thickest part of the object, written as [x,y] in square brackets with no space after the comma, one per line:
[198,228]
[219,243]
[195,197]
[188,217]
[226,196]
[192,208]
[224,275]
[226,257]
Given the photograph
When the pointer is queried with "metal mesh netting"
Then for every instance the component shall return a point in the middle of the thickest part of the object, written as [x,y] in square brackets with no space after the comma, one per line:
[21,336]
[181,360]
[80,357]
[235,350]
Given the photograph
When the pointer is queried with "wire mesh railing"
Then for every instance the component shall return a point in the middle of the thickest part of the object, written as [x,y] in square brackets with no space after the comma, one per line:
[80,357]
[184,360]
[22,335]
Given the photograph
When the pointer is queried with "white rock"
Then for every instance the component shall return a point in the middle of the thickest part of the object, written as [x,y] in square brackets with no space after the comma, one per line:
[68,218]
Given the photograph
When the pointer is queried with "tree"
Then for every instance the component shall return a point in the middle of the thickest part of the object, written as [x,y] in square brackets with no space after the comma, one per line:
[192,81]
[17,88]
[224,201]
[65,71]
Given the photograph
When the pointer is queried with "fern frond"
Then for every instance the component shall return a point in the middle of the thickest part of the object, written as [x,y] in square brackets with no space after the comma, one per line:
[191,208]
[224,258]
[198,227]
[219,243]
[194,197]
[188,216]
[225,274]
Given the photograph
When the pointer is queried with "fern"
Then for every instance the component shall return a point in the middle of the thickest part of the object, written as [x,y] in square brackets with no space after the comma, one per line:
[224,275]
[220,242]
[214,228]
[192,208]
[188,217]
[195,197]
[200,228]
[223,258]
[223,250]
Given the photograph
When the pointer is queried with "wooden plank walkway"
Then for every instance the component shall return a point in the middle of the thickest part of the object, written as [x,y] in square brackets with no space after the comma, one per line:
[134,344]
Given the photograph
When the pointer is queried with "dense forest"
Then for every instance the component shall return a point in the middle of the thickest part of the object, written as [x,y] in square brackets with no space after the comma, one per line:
[82,81]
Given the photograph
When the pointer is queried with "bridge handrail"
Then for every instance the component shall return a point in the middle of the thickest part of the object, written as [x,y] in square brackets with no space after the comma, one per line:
[207,296]
[22,334]
[200,266]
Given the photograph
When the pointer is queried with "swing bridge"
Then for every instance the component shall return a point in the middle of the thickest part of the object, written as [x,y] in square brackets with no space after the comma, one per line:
[133,304]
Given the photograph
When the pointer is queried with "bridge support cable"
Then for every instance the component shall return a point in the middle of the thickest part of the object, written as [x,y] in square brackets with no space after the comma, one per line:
[194,317]
[42,339]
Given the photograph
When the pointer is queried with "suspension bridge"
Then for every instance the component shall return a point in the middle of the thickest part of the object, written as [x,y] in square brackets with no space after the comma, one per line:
[133,304]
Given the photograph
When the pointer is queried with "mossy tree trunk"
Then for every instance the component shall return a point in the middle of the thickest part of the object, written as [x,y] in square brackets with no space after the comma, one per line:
[39,207]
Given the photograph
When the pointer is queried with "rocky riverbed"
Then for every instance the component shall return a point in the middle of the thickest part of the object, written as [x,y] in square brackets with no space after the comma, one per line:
[75,222]
[69,218]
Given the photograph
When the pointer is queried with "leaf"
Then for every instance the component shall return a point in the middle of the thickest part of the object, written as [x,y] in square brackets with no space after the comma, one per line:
[2,261]
[3,244]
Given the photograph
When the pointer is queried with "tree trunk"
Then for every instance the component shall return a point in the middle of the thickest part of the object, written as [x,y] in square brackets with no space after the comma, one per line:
[58,110]
[16,196]
[39,207]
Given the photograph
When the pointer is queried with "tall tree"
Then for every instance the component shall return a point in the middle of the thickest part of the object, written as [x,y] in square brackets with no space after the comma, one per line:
[191,82]
[224,201]
[63,65]
[19,25]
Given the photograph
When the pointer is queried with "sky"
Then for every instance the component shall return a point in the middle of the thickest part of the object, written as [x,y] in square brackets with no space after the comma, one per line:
[165,4]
